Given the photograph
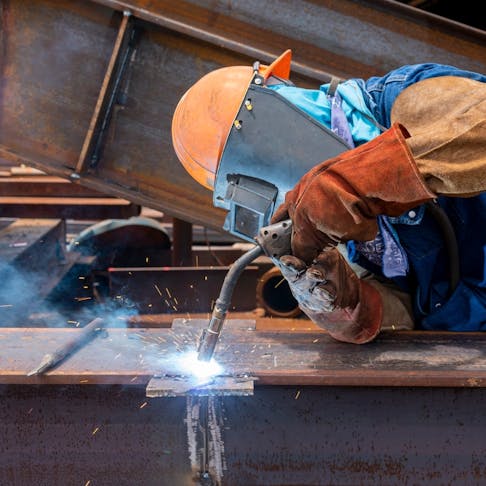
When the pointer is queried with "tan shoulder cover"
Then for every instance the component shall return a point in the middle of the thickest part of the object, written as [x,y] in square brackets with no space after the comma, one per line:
[446,117]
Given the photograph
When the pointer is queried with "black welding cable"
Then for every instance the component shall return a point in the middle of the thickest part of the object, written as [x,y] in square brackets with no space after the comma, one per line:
[236,269]
[211,334]
[450,241]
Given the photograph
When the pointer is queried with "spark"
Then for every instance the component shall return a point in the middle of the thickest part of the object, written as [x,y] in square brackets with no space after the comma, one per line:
[95,431]
[189,363]
[6,305]
[168,293]
[157,289]
[88,482]
[315,341]
[297,395]
[144,404]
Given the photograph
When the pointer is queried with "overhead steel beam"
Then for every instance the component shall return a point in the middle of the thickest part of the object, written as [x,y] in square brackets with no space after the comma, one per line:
[329,38]
[56,58]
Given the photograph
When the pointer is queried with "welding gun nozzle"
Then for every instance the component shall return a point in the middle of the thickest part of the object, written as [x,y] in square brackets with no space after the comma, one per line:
[210,335]
[206,346]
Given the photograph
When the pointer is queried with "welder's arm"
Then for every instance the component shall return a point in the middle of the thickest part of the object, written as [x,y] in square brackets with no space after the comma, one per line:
[446,118]
[340,199]
[351,309]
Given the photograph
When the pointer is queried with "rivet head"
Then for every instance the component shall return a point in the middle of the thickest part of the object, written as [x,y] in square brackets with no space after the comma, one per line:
[412,214]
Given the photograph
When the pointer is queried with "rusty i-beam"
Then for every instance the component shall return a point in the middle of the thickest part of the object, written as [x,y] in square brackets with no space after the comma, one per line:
[82,96]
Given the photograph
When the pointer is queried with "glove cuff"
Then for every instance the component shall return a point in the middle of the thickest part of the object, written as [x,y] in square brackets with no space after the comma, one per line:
[357,325]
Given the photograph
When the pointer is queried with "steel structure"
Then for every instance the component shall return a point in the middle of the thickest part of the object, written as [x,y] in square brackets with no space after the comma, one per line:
[88,88]
[87,92]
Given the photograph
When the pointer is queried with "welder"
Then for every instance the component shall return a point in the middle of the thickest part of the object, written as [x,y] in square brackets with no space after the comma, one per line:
[412,139]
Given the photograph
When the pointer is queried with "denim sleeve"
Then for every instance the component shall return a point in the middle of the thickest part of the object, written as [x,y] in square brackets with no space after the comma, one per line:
[381,92]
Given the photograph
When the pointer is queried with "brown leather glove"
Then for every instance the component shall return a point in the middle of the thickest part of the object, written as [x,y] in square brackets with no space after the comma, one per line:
[339,199]
[332,295]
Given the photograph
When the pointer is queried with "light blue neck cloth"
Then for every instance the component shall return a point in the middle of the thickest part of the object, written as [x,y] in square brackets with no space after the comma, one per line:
[317,104]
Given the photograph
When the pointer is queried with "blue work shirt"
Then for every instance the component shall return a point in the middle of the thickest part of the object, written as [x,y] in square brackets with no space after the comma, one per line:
[427,279]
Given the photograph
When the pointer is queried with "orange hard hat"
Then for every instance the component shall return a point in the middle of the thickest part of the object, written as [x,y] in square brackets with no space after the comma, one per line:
[205,114]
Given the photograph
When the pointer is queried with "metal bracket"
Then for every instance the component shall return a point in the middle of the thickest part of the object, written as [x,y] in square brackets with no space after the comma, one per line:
[175,386]
[109,95]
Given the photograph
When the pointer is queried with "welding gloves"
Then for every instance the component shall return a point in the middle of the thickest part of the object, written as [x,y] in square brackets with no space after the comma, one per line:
[339,199]
[350,308]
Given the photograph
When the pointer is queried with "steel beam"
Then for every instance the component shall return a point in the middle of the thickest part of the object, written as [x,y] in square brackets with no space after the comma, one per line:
[179,289]
[287,357]
[56,57]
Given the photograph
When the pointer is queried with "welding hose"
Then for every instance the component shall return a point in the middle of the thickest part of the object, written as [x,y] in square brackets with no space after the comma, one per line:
[211,334]
[450,242]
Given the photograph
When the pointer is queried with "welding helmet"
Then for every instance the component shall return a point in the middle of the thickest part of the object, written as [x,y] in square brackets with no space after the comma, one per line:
[247,143]
[205,114]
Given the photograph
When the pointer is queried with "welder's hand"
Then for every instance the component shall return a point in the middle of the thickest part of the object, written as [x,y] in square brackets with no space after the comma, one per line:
[339,199]
[332,295]
[328,283]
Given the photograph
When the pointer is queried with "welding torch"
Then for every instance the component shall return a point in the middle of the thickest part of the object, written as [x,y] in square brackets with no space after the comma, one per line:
[272,240]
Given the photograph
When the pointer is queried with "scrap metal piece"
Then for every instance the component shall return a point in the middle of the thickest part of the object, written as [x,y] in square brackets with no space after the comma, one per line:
[174,386]
[52,359]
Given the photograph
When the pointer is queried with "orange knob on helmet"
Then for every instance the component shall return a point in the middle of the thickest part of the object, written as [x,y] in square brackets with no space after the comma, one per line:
[204,115]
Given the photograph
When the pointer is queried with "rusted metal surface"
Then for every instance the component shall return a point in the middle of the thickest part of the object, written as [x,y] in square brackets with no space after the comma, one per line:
[286,357]
[91,208]
[33,261]
[345,38]
[43,186]
[115,436]
[108,96]
[56,55]
[182,243]
[32,244]
[179,289]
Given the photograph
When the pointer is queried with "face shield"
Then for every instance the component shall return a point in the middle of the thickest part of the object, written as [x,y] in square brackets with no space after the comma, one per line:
[270,146]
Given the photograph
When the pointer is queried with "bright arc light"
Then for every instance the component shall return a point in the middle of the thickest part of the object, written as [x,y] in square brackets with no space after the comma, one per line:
[201,369]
